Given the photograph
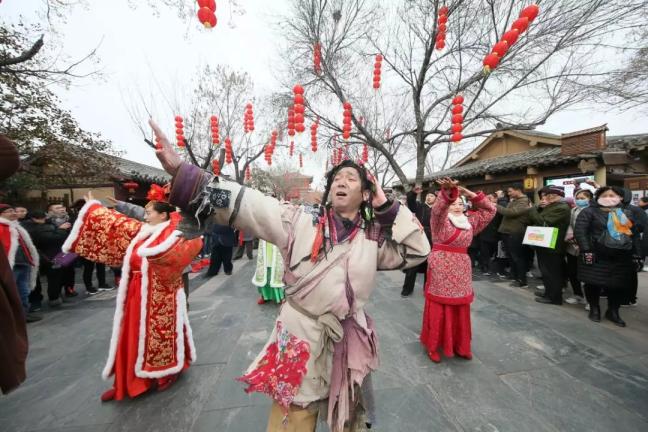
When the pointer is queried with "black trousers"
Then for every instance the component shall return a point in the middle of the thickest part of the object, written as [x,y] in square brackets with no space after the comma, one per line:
[518,256]
[88,267]
[572,274]
[630,294]
[220,255]
[410,278]
[248,247]
[551,267]
[593,295]
[487,250]
[54,283]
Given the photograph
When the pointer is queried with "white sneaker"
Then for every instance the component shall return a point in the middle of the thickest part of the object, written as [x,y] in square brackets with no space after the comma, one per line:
[530,275]
[540,287]
[587,308]
[575,300]
[645,268]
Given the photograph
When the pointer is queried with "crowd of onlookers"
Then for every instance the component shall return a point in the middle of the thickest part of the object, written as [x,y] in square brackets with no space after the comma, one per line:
[32,240]
[599,249]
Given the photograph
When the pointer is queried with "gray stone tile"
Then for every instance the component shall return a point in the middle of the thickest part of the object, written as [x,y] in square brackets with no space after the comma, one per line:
[87,428]
[571,405]
[242,419]
[173,410]
[478,400]
[626,384]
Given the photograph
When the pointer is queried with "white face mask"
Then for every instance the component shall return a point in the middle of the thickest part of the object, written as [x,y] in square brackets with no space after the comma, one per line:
[609,201]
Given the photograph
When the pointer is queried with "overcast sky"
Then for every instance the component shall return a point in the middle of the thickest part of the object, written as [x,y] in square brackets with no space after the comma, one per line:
[136,41]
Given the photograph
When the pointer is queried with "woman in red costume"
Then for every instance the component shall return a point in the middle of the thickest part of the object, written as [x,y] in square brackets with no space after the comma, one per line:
[151,341]
[448,294]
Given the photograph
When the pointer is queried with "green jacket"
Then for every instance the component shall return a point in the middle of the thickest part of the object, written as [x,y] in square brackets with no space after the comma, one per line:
[515,216]
[555,215]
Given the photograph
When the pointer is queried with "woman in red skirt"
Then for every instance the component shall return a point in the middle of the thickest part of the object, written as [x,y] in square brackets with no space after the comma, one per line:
[448,294]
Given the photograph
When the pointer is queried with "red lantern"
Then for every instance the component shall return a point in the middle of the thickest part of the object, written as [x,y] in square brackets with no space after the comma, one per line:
[511,36]
[180,139]
[456,137]
[500,48]
[209,4]
[131,186]
[298,90]
[458,100]
[457,118]
[299,100]
[530,12]
[457,109]
[228,151]
[216,167]
[248,173]
[207,17]
[300,127]
[457,127]
[521,24]
[377,71]
[317,58]
[441,28]
[490,62]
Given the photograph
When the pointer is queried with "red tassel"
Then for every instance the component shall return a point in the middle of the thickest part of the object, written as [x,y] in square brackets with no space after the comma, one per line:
[319,239]
[240,239]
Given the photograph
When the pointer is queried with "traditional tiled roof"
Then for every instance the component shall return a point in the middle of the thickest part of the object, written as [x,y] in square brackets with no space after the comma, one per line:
[140,172]
[538,157]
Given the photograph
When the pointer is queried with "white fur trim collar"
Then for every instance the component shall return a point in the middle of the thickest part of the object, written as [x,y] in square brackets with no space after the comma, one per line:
[76,228]
[460,222]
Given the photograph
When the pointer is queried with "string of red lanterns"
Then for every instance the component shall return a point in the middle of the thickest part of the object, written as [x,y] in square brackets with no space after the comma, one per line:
[520,25]
[377,71]
[346,125]
[216,167]
[248,173]
[314,127]
[291,149]
[301,161]
[228,151]
[207,13]
[457,118]
[248,119]
[180,139]
[214,130]
[317,58]
[298,108]
[365,153]
[441,28]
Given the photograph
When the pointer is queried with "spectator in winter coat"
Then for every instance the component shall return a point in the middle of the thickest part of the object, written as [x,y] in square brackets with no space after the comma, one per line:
[222,247]
[422,212]
[582,200]
[13,331]
[514,223]
[608,237]
[551,212]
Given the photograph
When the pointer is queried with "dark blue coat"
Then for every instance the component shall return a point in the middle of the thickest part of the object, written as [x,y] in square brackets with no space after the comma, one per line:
[223,235]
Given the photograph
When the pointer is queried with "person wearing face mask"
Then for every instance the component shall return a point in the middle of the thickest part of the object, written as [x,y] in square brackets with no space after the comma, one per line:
[582,199]
[609,243]
[551,212]
[448,292]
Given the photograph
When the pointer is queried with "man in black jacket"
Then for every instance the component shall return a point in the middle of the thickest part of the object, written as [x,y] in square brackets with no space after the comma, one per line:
[48,240]
[223,240]
[422,212]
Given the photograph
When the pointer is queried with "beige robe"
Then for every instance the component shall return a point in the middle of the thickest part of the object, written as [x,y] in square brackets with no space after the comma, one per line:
[320,287]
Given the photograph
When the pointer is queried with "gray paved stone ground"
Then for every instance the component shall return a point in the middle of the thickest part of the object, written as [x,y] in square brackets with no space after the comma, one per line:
[536,368]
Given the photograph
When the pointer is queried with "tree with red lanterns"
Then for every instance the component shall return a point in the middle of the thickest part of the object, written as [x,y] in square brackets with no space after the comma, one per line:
[515,64]
[221,121]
